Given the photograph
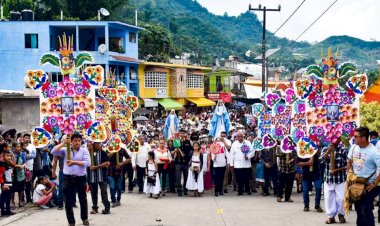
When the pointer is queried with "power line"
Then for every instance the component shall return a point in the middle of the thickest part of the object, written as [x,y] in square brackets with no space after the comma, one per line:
[292,42]
[272,35]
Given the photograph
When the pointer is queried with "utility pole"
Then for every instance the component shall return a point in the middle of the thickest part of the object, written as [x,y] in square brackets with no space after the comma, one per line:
[264,10]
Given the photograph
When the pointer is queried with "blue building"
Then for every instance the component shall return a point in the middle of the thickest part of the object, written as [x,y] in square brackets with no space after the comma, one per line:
[22,43]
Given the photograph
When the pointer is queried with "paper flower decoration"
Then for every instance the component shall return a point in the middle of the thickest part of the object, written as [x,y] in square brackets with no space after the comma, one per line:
[114,144]
[271,99]
[257,144]
[288,145]
[134,146]
[216,148]
[40,137]
[245,149]
[306,148]
[290,96]
[358,83]
[96,132]
[36,79]
[268,141]
[258,109]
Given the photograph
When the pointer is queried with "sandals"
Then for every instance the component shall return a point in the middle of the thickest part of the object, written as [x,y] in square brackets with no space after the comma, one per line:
[278,199]
[342,220]
[330,221]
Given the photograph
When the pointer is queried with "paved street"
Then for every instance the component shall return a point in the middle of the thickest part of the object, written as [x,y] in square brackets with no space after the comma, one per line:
[139,210]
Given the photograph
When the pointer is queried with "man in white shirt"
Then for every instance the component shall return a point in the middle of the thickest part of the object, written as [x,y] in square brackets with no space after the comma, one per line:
[240,154]
[30,155]
[139,162]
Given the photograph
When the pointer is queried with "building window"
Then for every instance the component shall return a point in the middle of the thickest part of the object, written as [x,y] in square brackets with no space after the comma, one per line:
[194,81]
[132,37]
[55,77]
[31,41]
[132,73]
[155,79]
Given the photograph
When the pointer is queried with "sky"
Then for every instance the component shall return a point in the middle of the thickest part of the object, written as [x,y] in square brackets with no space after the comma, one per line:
[360,19]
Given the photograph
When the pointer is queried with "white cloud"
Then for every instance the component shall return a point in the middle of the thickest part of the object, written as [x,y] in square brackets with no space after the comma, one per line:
[347,17]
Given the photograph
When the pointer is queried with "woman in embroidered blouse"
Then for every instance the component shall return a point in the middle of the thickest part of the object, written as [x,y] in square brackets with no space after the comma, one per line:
[163,158]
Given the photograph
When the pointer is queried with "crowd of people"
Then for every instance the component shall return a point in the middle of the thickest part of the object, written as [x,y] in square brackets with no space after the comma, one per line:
[185,165]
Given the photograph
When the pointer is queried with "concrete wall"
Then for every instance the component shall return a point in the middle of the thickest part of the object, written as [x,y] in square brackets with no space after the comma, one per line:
[22,114]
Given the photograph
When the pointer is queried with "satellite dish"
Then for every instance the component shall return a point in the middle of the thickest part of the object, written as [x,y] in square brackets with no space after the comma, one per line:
[102,48]
[104,12]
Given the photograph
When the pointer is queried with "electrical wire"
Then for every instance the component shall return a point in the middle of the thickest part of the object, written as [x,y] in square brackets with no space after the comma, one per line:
[272,35]
[293,41]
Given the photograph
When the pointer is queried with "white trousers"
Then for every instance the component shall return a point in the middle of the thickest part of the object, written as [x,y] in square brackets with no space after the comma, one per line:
[334,199]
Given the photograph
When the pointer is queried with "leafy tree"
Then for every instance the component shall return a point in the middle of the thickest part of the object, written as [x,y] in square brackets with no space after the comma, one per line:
[155,43]
[369,115]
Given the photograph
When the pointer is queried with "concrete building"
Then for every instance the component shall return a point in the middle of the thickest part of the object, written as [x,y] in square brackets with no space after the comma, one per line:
[172,85]
[22,43]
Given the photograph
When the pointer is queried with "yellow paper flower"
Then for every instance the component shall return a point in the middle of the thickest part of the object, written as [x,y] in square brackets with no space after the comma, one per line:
[43,104]
[32,83]
[89,70]
[298,84]
[98,78]
[43,110]
[302,144]
[101,136]
[30,74]
[98,69]
[35,143]
[35,134]
[39,73]
[93,136]
[299,92]
[44,140]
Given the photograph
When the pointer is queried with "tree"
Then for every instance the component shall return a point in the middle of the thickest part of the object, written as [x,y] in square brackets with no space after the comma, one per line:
[369,115]
[155,43]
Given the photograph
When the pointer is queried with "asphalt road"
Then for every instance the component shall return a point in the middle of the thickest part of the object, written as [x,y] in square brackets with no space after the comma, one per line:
[230,209]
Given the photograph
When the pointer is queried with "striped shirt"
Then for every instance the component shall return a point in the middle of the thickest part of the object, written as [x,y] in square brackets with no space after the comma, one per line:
[340,157]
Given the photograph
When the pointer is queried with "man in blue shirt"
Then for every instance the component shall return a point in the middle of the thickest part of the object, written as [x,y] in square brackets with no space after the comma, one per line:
[364,160]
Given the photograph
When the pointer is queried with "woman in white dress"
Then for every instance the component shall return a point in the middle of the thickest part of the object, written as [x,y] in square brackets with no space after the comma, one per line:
[152,181]
[195,178]
[163,159]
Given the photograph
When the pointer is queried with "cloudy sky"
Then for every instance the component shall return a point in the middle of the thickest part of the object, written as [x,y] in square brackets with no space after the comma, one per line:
[355,18]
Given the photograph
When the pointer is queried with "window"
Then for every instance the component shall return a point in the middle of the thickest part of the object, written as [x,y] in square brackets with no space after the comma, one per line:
[194,81]
[31,41]
[55,77]
[155,79]
[132,73]
[132,37]
[219,85]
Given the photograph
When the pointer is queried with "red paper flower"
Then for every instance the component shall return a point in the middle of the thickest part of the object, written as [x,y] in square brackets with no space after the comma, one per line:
[88,124]
[48,128]
[46,85]
[313,138]
[86,84]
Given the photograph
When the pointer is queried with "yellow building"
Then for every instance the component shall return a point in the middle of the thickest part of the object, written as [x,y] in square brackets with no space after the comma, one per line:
[172,85]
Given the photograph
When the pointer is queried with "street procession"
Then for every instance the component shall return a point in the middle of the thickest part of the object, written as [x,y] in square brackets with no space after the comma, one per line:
[111,114]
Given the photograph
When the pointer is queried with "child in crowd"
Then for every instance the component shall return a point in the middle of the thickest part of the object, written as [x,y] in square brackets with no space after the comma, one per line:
[19,174]
[7,163]
[42,194]
[152,181]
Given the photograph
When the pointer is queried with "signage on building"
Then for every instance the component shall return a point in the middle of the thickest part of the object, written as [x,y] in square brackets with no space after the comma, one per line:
[223,96]
[161,93]
[213,96]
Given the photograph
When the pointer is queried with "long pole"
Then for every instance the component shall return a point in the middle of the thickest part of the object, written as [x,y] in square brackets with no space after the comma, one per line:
[264,10]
